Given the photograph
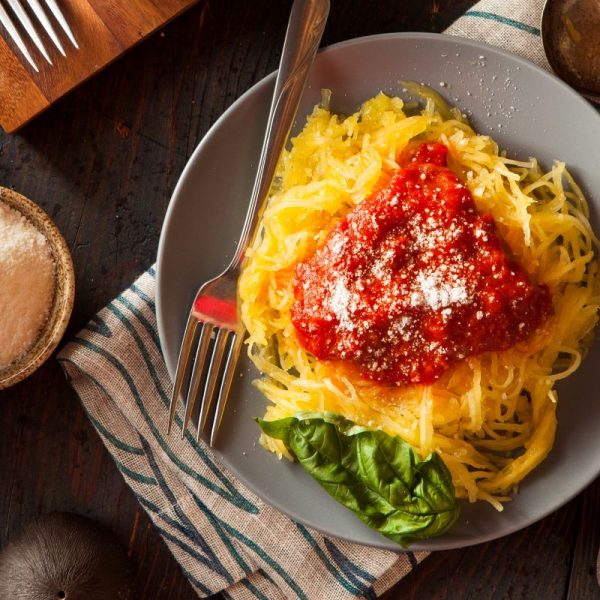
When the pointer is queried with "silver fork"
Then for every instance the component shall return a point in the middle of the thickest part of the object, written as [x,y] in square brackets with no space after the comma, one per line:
[214,311]
[18,10]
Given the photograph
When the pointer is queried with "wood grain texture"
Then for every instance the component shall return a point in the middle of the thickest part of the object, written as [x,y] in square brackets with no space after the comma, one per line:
[103,163]
[585,582]
[104,29]
[16,84]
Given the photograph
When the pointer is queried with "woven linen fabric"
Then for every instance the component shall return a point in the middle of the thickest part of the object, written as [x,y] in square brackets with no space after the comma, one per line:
[513,25]
[223,536]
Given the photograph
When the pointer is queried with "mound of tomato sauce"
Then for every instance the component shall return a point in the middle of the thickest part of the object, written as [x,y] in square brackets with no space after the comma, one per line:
[413,280]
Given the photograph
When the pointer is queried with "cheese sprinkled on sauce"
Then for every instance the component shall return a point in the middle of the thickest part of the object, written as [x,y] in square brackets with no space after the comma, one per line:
[413,280]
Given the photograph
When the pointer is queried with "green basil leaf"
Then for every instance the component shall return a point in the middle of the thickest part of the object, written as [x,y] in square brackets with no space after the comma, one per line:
[280,430]
[379,477]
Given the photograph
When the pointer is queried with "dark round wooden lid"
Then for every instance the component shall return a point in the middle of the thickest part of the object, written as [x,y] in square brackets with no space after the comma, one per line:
[65,556]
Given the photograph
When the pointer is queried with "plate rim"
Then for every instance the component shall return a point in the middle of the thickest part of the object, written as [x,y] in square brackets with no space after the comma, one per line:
[384,543]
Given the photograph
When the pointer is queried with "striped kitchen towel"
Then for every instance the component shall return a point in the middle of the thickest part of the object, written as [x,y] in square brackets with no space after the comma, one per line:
[513,25]
[223,536]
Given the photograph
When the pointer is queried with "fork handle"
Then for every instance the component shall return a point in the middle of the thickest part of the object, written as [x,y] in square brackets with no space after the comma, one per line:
[304,32]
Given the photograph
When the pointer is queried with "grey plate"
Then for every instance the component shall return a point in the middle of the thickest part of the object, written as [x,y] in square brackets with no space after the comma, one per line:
[528,111]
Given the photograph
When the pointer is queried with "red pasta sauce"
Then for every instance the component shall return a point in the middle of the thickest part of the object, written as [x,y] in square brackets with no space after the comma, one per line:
[413,280]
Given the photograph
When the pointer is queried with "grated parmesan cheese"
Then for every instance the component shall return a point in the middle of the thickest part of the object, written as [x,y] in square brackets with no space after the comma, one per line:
[26,284]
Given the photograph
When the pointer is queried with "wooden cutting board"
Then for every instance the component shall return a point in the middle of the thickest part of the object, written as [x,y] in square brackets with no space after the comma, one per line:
[104,29]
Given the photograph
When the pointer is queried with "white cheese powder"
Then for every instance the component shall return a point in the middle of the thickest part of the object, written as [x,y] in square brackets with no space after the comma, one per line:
[436,292]
[26,284]
[340,304]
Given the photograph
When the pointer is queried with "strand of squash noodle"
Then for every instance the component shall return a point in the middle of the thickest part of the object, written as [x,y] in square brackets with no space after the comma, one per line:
[491,417]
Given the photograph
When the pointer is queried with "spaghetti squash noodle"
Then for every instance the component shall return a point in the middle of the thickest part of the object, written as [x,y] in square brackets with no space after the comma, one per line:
[492,416]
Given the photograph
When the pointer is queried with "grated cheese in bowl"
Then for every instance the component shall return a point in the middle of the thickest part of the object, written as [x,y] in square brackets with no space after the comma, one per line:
[27,284]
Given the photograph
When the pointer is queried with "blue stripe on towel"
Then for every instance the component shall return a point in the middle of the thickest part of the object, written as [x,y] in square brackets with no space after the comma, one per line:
[133,474]
[345,563]
[351,570]
[141,318]
[97,325]
[251,587]
[113,439]
[224,538]
[231,494]
[353,589]
[243,502]
[412,560]
[160,514]
[196,537]
[189,550]
[147,299]
[504,20]
[153,508]
[238,535]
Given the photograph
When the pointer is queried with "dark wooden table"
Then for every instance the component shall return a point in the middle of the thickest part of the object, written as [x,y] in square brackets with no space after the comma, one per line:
[103,163]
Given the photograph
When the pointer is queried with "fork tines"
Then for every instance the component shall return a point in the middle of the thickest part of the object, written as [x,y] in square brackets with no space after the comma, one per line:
[22,15]
[208,379]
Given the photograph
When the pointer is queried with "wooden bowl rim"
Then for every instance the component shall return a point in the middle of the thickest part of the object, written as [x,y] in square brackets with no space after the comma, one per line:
[64,290]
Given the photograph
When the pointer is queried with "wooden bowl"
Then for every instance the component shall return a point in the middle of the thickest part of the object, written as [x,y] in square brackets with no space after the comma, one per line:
[64,291]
